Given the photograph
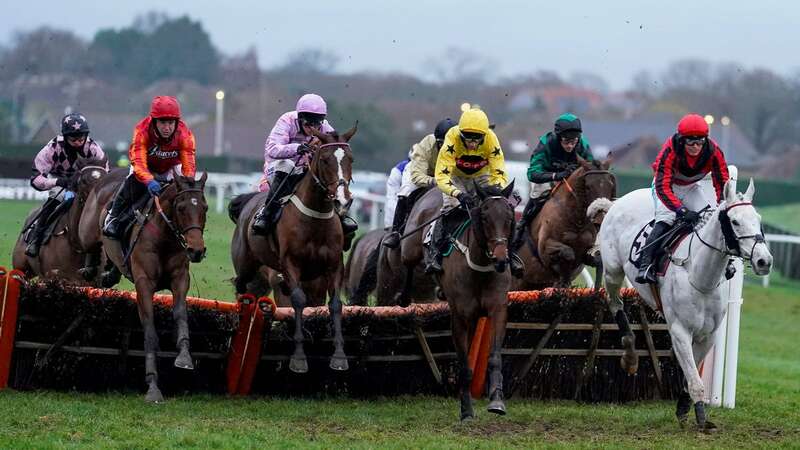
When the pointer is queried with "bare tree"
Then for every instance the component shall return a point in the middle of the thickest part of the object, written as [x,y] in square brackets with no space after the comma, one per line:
[460,65]
[43,50]
[311,61]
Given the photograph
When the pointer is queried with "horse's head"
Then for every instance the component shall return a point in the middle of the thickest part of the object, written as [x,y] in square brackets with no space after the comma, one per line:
[598,186]
[741,227]
[88,172]
[331,166]
[188,209]
[494,222]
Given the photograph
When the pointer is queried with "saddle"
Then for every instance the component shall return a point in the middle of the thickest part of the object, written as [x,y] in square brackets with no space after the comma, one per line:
[50,231]
[665,248]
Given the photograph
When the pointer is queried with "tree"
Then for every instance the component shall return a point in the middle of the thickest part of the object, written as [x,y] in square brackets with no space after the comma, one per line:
[44,50]
[373,144]
[458,65]
[310,61]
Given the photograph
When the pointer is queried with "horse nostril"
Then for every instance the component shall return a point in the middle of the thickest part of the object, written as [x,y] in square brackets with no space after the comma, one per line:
[761,262]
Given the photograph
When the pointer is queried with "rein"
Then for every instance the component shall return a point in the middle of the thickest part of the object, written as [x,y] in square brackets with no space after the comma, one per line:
[482,241]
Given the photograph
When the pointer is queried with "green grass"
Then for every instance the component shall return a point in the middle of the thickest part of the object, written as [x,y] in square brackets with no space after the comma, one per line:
[767,413]
[784,216]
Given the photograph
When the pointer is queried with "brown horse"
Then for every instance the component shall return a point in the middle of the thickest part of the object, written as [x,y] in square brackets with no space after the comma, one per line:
[168,240]
[475,283]
[62,255]
[560,237]
[302,260]
[360,271]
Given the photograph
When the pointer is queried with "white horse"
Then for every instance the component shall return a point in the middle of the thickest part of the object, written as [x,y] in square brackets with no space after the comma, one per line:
[689,292]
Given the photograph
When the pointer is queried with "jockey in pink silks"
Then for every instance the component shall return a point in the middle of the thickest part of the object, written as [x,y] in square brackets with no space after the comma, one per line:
[287,153]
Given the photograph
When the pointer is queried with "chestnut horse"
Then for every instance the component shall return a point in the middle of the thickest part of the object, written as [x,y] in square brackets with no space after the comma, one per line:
[475,283]
[62,255]
[561,236]
[170,238]
[302,260]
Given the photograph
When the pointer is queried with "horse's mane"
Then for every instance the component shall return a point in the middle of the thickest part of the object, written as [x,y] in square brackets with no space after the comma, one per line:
[493,190]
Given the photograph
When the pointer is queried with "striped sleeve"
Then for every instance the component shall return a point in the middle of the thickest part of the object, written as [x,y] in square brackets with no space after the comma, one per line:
[663,183]
[137,154]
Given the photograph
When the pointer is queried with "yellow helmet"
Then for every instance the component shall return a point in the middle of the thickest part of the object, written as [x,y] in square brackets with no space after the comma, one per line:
[474,120]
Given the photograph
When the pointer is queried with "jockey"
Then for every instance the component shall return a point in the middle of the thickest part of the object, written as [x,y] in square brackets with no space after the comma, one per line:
[418,175]
[286,158]
[554,159]
[161,142]
[471,154]
[53,167]
[685,158]
[393,185]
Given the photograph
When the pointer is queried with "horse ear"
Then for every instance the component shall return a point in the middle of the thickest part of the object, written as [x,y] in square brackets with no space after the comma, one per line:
[729,191]
[751,189]
[584,163]
[203,178]
[349,133]
[606,164]
[508,189]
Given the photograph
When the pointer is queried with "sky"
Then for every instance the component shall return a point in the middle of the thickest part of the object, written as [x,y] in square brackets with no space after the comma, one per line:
[614,39]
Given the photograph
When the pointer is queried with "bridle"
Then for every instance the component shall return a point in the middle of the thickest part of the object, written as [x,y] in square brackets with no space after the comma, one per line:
[180,235]
[492,243]
[321,182]
[731,240]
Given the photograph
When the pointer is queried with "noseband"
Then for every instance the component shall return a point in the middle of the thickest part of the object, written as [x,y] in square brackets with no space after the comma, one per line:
[180,235]
[319,181]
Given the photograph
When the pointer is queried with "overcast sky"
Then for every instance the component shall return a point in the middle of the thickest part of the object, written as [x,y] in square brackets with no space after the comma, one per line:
[614,39]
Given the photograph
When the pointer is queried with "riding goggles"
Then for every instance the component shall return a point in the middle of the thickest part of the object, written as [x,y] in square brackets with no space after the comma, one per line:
[468,136]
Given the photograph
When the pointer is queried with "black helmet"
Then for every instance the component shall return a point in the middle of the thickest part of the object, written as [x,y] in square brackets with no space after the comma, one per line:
[442,127]
[73,124]
[568,124]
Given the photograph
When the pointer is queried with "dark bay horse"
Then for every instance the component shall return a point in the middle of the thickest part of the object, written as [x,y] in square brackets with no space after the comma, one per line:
[302,261]
[170,238]
[375,268]
[62,255]
[560,237]
[475,283]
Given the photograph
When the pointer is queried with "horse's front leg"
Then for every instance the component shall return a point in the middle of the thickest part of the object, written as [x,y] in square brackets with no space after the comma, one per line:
[461,334]
[682,346]
[561,259]
[629,359]
[339,359]
[179,287]
[498,316]
[298,362]
[144,301]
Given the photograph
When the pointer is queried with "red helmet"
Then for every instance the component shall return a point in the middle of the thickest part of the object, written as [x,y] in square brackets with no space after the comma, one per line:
[165,107]
[693,125]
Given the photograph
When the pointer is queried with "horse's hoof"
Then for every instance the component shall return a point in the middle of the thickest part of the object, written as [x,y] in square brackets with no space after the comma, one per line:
[154,395]
[467,416]
[298,365]
[88,273]
[110,279]
[497,407]
[709,427]
[629,360]
[184,361]
[683,420]
[339,363]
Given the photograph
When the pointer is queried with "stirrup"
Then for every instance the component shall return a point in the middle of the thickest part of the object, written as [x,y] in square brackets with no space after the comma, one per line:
[516,265]
[392,240]
[646,275]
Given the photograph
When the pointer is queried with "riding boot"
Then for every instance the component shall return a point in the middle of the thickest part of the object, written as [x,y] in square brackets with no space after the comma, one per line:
[516,264]
[647,271]
[532,208]
[392,240]
[113,227]
[263,221]
[42,222]
[349,227]
[433,253]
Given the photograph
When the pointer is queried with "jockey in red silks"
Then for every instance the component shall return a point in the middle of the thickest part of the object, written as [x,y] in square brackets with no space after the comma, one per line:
[287,153]
[161,142]
[685,159]
[54,166]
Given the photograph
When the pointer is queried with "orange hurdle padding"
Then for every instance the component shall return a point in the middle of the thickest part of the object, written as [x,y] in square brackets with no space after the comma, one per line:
[8,321]
[482,363]
[164,299]
[264,310]
[233,372]
[475,354]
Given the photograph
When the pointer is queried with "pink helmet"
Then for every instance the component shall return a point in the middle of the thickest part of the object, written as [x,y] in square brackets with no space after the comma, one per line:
[312,103]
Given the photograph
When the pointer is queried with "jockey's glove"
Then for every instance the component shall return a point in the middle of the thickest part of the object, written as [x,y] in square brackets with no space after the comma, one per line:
[62,182]
[558,176]
[465,200]
[688,216]
[730,270]
[154,188]
[303,148]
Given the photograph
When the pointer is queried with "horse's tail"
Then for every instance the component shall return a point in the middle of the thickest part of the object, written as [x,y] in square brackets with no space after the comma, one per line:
[369,278]
[236,205]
